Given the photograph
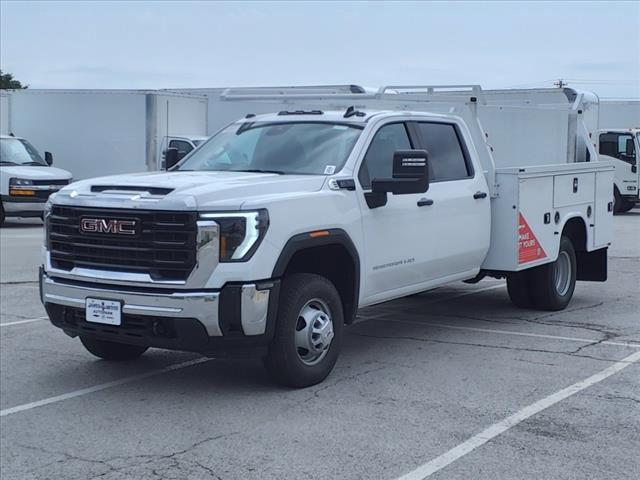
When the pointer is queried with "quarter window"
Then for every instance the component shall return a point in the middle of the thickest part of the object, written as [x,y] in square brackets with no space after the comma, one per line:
[378,162]
[447,159]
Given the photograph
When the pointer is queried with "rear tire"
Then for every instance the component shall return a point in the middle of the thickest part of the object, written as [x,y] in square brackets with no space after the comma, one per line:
[519,288]
[112,350]
[308,332]
[553,284]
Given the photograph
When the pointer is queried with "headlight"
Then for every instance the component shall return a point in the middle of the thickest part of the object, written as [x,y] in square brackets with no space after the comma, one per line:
[21,187]
[240,233]
[45,221]
[20,182]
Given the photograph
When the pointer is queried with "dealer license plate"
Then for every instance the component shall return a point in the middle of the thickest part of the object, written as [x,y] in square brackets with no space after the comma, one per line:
[103,311]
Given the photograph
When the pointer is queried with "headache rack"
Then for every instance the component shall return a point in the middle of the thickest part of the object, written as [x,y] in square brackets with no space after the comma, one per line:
[510,128]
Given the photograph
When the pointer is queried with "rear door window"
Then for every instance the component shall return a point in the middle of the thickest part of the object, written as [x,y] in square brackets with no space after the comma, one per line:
[448,159]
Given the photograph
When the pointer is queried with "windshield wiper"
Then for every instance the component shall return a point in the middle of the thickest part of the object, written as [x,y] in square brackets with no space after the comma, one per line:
[256,170]
[7,162]
[37,164]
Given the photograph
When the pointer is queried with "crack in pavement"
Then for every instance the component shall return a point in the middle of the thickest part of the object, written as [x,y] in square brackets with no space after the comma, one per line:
[145,459]
[481,345]
[619,397]
[316,392]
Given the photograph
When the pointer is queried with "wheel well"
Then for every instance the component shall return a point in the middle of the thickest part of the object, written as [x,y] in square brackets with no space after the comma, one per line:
[576,230]
[335,263]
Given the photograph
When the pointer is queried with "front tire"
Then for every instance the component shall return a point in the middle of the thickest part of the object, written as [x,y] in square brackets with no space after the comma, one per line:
[618,201]
[308,332]
[626,206]
[553,284]
[112,350]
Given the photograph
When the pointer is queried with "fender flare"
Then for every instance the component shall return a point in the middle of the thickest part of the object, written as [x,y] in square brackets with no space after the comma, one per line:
[320,238]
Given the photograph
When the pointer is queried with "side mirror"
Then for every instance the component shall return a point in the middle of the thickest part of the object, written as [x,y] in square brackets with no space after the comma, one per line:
[48,157]
[410,175]
[171,158]
[629,148]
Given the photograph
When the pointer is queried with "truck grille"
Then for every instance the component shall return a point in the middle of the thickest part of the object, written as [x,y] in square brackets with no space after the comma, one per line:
[164,245]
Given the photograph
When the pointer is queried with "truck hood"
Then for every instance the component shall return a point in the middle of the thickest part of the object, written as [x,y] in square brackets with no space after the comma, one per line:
[36,173]
[185,190]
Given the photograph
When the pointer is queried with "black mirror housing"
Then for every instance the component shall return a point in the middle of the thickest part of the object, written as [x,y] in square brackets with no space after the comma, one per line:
[48,157]
[171,158]
[629,147]
[410,174]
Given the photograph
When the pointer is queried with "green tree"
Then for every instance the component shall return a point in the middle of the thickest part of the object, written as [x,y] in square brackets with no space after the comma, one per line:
[7,82]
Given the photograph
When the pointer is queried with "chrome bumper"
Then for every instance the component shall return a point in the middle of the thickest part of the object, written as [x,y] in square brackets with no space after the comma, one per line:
[203,306]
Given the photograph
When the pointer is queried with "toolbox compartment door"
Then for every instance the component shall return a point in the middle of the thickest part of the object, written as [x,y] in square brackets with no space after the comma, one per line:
[573,189]
[603,225]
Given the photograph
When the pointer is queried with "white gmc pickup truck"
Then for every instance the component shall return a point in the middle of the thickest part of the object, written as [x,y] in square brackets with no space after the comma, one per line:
[267,239]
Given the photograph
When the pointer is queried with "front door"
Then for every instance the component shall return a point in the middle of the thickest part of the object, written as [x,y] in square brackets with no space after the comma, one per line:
[417,240]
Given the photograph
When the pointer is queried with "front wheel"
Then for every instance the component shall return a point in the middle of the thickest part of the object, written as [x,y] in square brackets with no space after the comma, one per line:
[626,206]
[553,284]
[111,350]
[308,331]
[618,201]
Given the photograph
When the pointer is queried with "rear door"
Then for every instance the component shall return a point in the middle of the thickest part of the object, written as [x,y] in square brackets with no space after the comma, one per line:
[458,223]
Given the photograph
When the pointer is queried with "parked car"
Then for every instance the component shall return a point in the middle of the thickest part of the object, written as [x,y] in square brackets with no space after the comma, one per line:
[26,179]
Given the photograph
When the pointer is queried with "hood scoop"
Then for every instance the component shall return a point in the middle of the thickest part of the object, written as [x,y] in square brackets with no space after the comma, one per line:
[131,189]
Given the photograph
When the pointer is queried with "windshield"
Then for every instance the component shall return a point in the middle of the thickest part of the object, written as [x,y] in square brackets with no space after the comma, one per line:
[16,151]
[314,148]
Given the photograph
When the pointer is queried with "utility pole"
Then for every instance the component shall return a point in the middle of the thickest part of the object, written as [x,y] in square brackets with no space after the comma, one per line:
[560,83]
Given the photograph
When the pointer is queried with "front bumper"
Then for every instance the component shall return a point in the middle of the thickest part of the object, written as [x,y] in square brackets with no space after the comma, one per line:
[237,320]
[23,207]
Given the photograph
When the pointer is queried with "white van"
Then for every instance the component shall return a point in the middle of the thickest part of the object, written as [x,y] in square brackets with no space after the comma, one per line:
[26,179]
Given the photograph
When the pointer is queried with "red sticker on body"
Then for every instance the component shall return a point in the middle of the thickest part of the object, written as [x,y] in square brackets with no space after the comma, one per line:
[529,249]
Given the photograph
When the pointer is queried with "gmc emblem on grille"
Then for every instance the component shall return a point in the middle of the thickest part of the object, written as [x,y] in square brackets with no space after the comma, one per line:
[104,225]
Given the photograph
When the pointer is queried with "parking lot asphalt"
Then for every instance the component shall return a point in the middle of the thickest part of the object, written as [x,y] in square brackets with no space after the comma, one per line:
[454,383]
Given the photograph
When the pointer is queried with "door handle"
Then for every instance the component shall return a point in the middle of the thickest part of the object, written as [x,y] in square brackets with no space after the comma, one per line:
[425,202]
[478,195]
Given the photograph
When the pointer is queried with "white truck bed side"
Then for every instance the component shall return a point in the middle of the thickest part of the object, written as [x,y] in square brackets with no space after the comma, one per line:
[534,204]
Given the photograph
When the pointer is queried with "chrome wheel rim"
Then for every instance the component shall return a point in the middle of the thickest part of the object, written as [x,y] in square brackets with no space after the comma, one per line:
[314,331]
[563,273]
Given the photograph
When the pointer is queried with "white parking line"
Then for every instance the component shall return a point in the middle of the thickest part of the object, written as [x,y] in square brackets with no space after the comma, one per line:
[447,458]
[19,322]
[102,386]
[510,332]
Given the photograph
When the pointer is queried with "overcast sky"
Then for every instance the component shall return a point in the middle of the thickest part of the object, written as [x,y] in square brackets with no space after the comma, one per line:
[593,45]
